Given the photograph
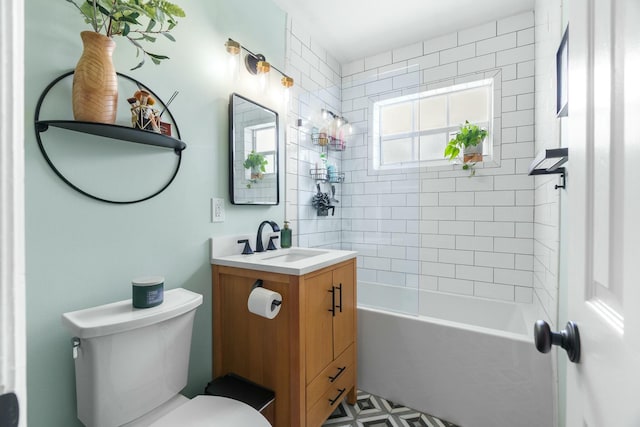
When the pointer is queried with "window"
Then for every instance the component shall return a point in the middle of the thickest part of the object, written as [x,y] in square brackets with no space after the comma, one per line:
[413,130]
[263,140]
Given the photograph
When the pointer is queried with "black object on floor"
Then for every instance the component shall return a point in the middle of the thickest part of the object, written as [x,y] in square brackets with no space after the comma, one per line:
[241,389]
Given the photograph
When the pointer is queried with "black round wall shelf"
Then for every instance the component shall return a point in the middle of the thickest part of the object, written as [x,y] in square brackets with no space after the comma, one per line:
[114,132]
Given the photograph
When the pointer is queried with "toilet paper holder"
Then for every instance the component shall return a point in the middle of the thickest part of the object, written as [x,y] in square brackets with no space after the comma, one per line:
[259,284]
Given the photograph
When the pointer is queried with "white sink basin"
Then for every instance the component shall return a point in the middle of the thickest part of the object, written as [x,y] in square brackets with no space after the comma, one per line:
[293,255]
[296,261]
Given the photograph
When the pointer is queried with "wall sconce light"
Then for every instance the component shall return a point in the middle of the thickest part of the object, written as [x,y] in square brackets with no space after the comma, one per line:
[233,47]
[287,82]
[256,63]
[549,161]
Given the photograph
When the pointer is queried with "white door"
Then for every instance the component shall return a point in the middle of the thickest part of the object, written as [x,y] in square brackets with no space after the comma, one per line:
[603,187]
[12,258]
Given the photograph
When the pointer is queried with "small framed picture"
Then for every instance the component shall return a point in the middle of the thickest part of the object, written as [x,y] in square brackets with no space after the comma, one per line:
[562,76]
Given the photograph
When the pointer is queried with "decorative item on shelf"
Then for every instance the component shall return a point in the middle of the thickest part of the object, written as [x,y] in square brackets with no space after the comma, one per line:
[257,163]
[95,84]
[322,203]
[257,64]
[144,116]
[469,140]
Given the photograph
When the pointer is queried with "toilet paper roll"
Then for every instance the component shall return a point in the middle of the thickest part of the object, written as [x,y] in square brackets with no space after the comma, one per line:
[264,302]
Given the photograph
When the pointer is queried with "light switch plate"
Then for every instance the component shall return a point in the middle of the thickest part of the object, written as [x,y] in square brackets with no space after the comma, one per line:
[217,210]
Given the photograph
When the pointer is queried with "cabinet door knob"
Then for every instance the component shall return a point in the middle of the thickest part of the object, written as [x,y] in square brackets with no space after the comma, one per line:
[333,301]
[340,289]
[335,399]
[335,377]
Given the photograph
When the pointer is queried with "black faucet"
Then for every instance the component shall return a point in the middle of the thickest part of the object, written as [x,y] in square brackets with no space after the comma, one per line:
[274,226]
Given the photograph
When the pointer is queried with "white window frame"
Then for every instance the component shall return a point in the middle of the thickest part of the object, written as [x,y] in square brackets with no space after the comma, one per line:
[451,130]
[250,135]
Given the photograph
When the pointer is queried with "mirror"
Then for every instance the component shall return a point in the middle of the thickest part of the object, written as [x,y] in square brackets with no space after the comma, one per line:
[253,153]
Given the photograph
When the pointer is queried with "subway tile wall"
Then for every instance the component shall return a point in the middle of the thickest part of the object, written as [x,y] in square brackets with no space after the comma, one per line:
[547,198]
[431,228]
[317,86]
[436,228]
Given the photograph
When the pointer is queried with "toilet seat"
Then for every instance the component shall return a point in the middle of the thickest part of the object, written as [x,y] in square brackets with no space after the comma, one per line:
[208,411]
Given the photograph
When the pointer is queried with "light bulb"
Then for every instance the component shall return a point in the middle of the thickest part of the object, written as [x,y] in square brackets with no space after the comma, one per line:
[233,64]
[287,82]
[263,68]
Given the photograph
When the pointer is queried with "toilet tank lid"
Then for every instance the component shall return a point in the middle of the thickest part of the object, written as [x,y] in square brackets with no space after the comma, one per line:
[121,316]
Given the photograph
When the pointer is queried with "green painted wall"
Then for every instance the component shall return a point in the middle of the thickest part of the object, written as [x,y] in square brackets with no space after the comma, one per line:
[82,253]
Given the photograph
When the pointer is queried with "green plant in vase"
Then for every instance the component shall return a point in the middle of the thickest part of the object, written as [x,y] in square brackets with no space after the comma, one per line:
[468,140]
[95,82]
[136,20]
[257,163]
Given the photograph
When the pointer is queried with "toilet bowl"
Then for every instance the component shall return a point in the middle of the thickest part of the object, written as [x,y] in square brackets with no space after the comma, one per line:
[206,411]
[131,365]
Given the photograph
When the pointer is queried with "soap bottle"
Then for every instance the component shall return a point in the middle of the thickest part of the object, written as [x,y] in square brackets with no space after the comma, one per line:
[285,236]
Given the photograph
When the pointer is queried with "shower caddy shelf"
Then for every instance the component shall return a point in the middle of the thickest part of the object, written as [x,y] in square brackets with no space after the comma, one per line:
[321,174]
[324,140]
[110,131]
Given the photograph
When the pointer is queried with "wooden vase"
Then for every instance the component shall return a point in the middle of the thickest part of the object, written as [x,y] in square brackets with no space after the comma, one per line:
[95,82]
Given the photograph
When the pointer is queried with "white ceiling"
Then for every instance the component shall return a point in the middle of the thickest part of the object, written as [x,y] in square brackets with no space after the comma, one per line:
[353,29]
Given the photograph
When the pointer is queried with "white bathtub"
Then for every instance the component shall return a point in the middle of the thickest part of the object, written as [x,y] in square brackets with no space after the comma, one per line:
[470,361]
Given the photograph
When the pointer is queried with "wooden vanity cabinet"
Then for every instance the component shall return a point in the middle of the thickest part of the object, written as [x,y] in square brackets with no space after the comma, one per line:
[307,355]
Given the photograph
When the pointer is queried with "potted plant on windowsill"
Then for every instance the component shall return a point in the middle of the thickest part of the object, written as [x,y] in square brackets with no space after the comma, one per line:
[95,85]
[257,163]
[468,141]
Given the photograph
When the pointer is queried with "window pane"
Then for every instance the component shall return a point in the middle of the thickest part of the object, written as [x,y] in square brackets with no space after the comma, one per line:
[396,119]
[433,112]
[271,165]
[432,146]
[265,139]
[471,104]
[397,150]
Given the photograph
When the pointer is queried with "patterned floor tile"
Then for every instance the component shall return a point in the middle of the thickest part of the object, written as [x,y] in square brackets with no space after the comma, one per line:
[375,411]
[380,420]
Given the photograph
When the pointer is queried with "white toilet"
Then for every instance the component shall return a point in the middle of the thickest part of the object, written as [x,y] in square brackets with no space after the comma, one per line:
[131,365]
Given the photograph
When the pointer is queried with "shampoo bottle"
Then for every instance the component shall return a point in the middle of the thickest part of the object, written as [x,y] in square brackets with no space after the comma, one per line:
[285,236]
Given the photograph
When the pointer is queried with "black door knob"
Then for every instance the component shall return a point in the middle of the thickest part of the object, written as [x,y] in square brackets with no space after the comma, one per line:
[569,339]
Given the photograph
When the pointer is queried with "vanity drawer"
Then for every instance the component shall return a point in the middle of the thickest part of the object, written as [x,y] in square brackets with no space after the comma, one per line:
[331,398]
[330,375]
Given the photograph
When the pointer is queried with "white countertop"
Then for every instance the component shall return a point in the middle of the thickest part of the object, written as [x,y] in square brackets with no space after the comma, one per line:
[295,261]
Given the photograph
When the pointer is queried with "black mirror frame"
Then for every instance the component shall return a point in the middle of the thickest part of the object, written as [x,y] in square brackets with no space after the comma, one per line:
[232,151]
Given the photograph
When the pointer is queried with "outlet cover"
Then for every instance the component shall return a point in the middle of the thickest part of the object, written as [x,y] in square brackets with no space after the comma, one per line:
[217,210]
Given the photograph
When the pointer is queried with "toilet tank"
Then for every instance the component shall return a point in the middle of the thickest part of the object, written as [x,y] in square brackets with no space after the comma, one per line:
[129,361]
